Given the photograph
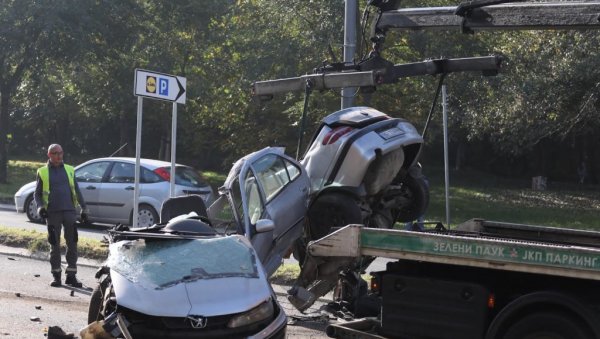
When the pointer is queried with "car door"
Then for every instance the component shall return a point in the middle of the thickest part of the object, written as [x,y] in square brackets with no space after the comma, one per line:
[116,195]
[89,179]
[276,188]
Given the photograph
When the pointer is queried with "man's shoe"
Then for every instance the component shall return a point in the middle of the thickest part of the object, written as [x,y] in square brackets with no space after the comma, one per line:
[72,281]
[56,281]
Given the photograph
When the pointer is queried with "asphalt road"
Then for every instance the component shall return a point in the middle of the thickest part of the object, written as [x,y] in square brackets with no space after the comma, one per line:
[30,306]
[10,218]
[34,306]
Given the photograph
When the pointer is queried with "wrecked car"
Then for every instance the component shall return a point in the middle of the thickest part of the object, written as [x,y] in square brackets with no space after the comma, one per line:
[204,272]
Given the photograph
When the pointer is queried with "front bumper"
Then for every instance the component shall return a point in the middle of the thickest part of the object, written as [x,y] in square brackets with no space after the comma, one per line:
[20,203]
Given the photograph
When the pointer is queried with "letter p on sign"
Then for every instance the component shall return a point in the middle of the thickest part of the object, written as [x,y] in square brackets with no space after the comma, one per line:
[163,86]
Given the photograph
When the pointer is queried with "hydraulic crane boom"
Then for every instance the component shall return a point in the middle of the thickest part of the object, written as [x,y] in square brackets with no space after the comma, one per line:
[469,16]
[510,16]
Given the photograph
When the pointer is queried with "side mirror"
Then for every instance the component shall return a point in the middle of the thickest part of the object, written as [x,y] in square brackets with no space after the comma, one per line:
[264,225]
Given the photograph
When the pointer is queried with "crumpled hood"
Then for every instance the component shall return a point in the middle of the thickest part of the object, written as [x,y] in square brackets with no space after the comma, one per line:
[176,278]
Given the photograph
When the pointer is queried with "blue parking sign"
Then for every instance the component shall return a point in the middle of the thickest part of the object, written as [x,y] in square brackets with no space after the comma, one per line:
[163,86]
[159,86]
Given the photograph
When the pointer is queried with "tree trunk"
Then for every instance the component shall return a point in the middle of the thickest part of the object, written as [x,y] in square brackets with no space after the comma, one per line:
[123,135]
[460,156]
[4,101]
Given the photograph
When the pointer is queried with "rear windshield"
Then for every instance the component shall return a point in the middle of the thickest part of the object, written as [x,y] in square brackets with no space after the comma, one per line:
[158,264]
[187,176]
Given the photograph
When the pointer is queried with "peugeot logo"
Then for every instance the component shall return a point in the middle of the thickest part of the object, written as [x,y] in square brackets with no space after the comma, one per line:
[197,321]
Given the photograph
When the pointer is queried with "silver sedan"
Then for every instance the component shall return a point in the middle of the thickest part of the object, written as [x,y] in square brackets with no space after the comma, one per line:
[107,186]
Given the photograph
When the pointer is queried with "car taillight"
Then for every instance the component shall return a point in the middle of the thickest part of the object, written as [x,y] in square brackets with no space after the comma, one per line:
[336,133]
[163,173]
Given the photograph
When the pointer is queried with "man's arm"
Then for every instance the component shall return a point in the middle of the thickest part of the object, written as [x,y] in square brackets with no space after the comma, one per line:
[80,198]
[37,195]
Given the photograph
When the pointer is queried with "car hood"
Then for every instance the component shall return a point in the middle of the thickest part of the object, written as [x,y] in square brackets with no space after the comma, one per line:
[177,278]
[29,187]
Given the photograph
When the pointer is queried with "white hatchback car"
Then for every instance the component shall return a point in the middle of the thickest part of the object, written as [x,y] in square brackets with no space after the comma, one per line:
[107,186]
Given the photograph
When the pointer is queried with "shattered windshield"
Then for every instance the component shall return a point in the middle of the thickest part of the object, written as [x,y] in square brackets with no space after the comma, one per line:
[158,264]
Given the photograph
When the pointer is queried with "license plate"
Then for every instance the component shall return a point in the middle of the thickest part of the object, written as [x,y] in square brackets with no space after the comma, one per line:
[391,133]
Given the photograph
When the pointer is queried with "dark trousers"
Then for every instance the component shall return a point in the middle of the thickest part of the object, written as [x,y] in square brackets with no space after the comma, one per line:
[56,220]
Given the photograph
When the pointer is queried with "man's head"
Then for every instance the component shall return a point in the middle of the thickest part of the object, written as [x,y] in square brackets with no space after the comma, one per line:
[55,154]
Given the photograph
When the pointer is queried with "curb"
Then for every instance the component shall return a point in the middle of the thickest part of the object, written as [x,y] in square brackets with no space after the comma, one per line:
[23,253]
[8,207]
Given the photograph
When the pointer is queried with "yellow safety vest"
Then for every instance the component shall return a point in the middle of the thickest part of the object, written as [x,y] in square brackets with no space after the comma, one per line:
[44,174]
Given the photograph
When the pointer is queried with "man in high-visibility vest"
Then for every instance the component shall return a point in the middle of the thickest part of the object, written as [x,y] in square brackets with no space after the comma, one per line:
[58,197]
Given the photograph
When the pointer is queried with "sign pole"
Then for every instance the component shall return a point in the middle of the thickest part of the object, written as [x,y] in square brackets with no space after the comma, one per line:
[446,166]
[173,149]
[163,87]
[138,151]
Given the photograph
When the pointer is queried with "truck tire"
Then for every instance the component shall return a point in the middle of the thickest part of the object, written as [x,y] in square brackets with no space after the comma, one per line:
[416,191]
[547,325]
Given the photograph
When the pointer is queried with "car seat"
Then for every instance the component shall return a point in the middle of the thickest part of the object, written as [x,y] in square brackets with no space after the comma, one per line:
[176,206]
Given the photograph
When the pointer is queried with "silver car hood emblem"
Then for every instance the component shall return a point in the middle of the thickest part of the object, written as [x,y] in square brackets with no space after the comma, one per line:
[197,321]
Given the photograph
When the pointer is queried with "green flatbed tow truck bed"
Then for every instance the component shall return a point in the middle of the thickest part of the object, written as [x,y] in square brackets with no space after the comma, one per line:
[483,279]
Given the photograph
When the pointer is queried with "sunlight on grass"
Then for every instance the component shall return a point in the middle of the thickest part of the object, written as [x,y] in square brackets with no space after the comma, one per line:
[19,173]
[572,208]
[214,179]
[36,242]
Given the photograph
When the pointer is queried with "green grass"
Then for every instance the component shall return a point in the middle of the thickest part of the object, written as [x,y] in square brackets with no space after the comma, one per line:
[19,173]
[478,195]
[36,242]
[215,179]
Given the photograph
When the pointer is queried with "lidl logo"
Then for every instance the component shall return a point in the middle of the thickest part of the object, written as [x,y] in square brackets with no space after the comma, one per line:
[150,84]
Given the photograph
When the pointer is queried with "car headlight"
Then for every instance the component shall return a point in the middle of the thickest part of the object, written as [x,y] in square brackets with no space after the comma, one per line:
[259,313]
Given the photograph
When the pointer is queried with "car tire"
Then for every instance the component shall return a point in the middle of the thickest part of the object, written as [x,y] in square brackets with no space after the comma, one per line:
[332,210]
[147,216]
[328,210]
[31,210]
[95,304]
[416,189]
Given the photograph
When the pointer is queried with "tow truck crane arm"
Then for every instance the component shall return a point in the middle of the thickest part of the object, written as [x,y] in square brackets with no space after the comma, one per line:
[471,16]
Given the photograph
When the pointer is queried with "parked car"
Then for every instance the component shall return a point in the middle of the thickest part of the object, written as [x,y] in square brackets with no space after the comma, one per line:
[107,186]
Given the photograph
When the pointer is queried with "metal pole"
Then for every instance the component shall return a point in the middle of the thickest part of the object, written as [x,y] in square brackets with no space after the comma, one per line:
[446,167]
[350,9]
[138,151]
[173,148]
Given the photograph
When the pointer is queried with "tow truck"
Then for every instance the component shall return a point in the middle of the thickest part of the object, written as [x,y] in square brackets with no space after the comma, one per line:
[481,279]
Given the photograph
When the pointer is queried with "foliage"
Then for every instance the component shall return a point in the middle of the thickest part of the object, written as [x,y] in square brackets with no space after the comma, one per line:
[66,76]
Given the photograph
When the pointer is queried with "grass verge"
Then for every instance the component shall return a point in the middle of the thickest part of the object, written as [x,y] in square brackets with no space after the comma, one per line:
[19,173]
[36,242]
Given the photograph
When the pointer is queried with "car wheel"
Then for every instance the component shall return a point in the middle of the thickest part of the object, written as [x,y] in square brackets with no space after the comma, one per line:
[31,210]
[415,191]
[332,210]
[94,313]
[147,216]
[327,211]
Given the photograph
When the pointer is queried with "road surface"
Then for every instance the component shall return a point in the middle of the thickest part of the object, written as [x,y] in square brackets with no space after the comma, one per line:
[10,218]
